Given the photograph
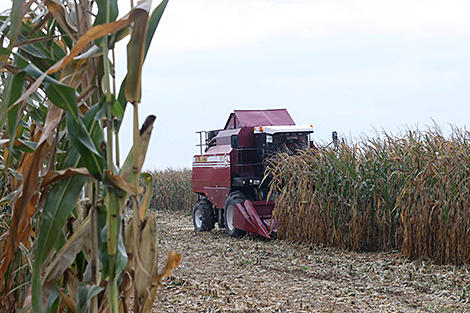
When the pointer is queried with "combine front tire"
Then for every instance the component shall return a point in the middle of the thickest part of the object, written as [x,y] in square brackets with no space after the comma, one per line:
[203,215]
[229,212]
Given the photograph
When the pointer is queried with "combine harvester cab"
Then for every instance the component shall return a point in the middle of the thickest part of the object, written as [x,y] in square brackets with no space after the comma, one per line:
[228,174]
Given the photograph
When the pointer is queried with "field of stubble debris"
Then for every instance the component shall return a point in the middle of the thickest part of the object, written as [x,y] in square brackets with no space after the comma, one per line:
[222,274]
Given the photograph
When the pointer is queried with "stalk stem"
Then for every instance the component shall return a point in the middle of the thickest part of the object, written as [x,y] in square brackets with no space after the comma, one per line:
[107,84]
[109,113]
[94,246]
[112,214]
[135,161]
[118,161]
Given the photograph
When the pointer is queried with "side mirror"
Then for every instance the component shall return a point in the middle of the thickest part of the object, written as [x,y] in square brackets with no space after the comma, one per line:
[235,141]
[334,136]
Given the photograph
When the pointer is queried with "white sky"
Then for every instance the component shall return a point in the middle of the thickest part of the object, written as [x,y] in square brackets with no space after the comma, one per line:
[349,66]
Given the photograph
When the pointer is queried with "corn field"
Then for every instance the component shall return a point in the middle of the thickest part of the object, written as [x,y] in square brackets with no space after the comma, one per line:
[408,192]
[64,187]
[173,190]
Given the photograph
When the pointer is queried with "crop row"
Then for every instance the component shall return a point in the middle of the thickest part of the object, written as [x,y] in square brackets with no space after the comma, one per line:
[173,190]
[407,192]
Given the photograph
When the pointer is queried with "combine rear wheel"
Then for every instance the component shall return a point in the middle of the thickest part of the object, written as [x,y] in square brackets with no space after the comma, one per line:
[229,211]
[203,215]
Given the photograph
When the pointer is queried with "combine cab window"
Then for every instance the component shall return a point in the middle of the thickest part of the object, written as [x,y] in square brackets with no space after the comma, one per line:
[291,141]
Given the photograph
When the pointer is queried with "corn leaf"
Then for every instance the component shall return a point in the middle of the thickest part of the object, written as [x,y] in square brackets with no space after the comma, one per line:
[135,55]
[61,15]
[15,93]
[31,47]
[153,22]
[55,176]
[16,20]
[63,97]
[24,208]
[92,34]
[119,183]
[7,89]
[120,253]
[71,304]
[172,262]
[20,144]
[54,295]
[126,171]
[100,31]
[145,263]
[145,202]
[64,259]
[84,144]
[101,17]
[122,102]
[85,293]
[59,203]
[54,116]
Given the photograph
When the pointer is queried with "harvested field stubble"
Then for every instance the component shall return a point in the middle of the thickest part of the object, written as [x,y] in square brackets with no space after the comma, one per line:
[409,193]
[218,273]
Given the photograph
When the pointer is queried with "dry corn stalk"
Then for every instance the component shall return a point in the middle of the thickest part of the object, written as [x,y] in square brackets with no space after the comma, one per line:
[408,192]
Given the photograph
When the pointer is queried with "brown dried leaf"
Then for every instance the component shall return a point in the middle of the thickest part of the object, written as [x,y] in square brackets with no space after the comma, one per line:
[172,262]
[118,182]
[135,58]
[26,204]
[64,259]
[100,31]
[40,24]
[156,281]
[70,303]
[92,34]
[54,115]
[145,263]
[53,177]
[74,72]
[61,15]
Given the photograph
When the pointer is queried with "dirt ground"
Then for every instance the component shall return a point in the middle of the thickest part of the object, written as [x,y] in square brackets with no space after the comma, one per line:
[218,273]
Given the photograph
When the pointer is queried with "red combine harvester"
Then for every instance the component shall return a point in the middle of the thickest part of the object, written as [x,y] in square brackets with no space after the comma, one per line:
[228,175]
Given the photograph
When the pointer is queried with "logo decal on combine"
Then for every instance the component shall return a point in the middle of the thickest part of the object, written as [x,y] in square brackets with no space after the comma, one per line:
[215,161]
[199,159]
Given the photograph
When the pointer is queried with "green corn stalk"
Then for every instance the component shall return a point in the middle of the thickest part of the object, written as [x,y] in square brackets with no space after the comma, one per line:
[51,104]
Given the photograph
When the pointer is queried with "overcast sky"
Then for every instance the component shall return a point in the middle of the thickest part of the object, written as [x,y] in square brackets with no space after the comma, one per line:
[349,66]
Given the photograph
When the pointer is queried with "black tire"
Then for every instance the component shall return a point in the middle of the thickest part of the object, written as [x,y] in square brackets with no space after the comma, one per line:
[203,215]
[229,210]
[220,218]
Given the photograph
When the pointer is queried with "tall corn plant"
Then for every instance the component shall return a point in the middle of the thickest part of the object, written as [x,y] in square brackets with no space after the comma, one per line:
[173,190]
[408,192]
[63,189]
